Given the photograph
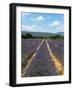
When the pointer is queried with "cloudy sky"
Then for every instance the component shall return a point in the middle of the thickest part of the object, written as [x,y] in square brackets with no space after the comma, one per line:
[42,22]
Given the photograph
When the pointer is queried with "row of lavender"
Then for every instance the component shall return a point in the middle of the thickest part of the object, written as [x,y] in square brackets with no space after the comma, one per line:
[41,65]
[57,47]
[28,47]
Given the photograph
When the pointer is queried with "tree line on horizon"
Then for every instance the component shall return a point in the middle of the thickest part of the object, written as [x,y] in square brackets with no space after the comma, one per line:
[28,35]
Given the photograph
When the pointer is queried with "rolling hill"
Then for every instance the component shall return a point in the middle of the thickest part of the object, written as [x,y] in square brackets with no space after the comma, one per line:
[42,34]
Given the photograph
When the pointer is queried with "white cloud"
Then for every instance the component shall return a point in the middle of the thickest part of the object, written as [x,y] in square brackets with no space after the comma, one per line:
[26,27]
[40,18]
[55,24]
[60,27]
[34,26]
[29,27]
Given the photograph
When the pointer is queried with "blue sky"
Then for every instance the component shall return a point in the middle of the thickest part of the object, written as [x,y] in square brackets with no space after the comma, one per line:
[42,22]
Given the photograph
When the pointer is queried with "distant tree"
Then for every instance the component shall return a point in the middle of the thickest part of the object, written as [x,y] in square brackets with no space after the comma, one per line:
[56,37]
[23,36]
[28,36]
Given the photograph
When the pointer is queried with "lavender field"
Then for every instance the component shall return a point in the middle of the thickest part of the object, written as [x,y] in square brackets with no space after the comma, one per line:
[42,57]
